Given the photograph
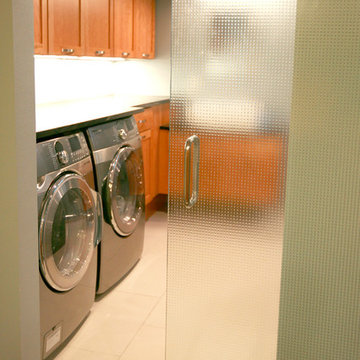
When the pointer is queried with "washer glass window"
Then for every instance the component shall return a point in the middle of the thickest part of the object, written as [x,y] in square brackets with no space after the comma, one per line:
[67,231]
[125,191]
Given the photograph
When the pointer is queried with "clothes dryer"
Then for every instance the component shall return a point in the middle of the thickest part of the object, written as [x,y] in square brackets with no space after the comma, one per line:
[70,220]
[117,157]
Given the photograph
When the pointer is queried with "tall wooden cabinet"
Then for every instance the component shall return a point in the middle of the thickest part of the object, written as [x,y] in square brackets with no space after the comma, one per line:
[66,27]
[123,28]
[134,29]
[98,23]
[40,27]
[144,28]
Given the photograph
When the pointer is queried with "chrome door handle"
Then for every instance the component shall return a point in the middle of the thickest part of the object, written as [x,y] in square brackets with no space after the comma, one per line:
[99,52]
[191,170]
[125,54]
[67,51]
[145,55]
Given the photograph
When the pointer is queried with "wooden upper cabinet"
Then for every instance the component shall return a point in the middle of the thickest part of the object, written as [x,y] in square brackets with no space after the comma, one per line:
[98,27]
[66,27]
[144,29]
[40,27]
[123,28]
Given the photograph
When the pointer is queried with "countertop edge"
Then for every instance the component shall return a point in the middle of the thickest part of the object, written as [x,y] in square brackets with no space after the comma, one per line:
[66,129]
[78,126]
[152,103]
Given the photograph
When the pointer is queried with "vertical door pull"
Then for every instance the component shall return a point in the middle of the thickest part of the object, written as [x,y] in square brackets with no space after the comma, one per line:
[191,170]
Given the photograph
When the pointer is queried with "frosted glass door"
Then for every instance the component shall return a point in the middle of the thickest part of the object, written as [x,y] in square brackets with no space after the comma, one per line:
[231,87]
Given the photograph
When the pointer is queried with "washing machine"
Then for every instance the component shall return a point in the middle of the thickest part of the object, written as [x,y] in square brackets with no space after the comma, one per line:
[70,220]
[117,157]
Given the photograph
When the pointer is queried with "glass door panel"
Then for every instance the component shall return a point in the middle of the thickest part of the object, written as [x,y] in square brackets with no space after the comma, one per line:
[231,87]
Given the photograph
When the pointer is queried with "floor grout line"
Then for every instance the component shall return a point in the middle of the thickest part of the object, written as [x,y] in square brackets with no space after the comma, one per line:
[140,327]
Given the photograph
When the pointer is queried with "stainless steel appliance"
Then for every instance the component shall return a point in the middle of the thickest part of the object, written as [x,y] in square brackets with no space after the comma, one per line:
[117,156]
[69,231]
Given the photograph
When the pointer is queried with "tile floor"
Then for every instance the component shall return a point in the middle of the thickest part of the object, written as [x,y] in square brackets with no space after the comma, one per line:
[128,323]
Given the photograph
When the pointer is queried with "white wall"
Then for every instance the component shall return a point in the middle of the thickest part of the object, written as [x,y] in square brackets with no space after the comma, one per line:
[59,79]
[149,77]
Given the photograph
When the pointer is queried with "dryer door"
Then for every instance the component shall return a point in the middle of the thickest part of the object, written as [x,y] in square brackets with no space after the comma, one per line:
[68,230]
[124,191]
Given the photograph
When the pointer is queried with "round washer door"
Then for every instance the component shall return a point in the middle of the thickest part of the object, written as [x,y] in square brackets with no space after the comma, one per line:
[124,191]
[67,231]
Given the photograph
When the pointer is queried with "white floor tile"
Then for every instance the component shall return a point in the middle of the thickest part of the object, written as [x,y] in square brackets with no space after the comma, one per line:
[125,305]
[70,353]
[106,334]
[157,316]
[156,235]
[148,278]
[148,344]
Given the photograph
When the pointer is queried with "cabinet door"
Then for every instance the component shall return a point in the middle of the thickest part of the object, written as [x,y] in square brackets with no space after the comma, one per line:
[98,27]
[144,29]
[146,149]
[165,113]
[66,27]
[144,120]
[160,149]
[40,27]
[163,161]
[123,28]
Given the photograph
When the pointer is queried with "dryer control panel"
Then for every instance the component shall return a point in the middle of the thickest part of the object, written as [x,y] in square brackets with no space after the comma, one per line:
[58,153]
[112,133]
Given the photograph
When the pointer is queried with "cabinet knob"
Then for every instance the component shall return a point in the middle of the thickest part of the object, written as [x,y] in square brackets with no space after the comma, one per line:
[125,54]
[99,52]
[145,55]
[142,121]
[67,51]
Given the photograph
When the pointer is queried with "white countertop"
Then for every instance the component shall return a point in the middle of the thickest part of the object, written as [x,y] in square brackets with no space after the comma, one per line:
[69,113]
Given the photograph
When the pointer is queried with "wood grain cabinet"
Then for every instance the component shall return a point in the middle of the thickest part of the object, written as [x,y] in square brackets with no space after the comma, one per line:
[163,149]
[163,160]
[40,27]
[144,29]
[134,29]
[148,123]
[98,27]
[121,28]
[66,27]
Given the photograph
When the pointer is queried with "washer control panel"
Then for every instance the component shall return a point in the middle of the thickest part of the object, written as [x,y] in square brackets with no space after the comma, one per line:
[57,153]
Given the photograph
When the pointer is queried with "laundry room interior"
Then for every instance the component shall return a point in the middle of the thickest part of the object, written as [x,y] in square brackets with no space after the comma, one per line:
[181,179]
[126,318]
